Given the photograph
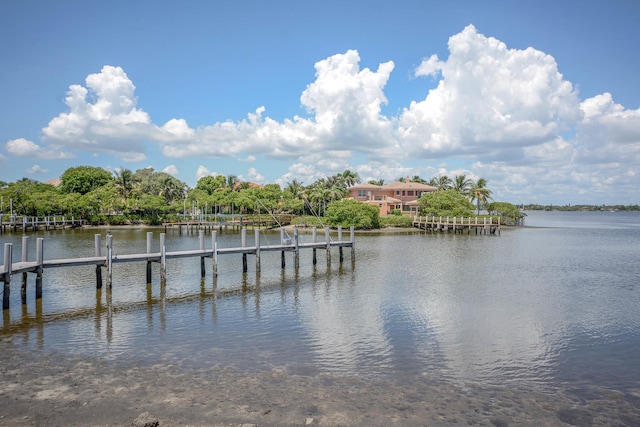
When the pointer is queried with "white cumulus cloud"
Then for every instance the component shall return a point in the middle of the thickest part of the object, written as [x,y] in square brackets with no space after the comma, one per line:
[36,169]
[24,148]
[505,114]
[490,98]
[171,170]
[103,117]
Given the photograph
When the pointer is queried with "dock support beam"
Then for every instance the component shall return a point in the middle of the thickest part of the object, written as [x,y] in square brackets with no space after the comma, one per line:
[201,240]
[214,255]
[257,234]
[296,257]
[327,238]
[25,258]
[283,262]
[341,256]
[314,233]
[109,260]
[353,242]
[8,256]
[163,258]
[243,234]
[40,262]
[98,252]
[149,247]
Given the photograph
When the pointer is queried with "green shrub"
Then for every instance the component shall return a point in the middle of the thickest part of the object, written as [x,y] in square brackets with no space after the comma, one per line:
[509,212]
[347,213]
[117,220]
[445,203]
[97,219]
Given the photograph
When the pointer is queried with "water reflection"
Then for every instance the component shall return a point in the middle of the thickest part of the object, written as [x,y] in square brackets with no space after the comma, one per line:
[526,308]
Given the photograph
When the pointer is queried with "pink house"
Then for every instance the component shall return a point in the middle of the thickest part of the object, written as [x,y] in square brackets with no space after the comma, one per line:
[396,195]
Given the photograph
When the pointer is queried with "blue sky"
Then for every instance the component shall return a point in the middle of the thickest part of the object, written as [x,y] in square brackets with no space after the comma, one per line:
[541,98]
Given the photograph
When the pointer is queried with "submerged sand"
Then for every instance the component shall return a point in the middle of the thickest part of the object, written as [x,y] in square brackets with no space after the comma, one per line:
[61,390]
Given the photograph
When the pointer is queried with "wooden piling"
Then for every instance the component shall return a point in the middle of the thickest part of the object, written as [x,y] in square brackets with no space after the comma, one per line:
[25,256]
[257,235]
[201,240]
[39,268]
[243,236]
[353,242]
[341,256]
[109,260]
[296,257]
[8,256]
[98,252]
[327,238]
[214,255]
[282,242]
[163,258]
[314,234]
[149,248]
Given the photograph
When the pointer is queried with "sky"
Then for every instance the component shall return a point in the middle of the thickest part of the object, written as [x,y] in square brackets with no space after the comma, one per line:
[541,98]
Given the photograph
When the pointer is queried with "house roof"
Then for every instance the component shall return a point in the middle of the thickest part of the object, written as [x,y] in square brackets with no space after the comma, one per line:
[239,184]
[398,185]
[409,185]
[366,185]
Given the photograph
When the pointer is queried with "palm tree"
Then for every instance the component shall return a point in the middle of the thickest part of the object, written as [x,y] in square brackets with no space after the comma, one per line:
[295,187]
[443,182]
[231,181]
[480,193]
[349,178]
[172,189]
[416,178]
[462,184]
[379,182]
[125,181]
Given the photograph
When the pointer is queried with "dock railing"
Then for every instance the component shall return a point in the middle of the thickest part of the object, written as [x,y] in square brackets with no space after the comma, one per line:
[100,261]
[13,223]
[481,225]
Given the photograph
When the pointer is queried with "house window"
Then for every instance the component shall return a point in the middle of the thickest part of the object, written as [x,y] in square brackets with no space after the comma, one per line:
[362,193]
[398,206]
[397,192]
[410,193]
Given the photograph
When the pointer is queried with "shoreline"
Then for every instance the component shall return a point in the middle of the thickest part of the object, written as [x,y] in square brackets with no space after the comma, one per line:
[290,228]
[56,389]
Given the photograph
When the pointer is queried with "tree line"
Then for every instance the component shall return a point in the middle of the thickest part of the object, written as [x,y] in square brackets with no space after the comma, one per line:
[148,196]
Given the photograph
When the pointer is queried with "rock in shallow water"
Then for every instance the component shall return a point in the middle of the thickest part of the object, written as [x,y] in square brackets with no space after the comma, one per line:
[145,419]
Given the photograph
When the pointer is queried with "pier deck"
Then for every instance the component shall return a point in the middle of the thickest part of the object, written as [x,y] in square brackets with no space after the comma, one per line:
[482,225]
[107,261]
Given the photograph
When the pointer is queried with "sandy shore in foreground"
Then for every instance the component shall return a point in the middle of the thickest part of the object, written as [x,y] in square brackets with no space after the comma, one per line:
[57,390]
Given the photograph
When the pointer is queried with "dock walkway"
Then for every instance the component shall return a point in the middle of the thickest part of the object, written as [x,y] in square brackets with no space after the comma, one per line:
[24,223]
[483,225]
[108,260]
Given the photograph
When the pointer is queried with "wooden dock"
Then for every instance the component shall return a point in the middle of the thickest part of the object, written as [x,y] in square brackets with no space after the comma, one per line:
[24,223]
[209,222]
[484,225]
[107,261]
[188,223]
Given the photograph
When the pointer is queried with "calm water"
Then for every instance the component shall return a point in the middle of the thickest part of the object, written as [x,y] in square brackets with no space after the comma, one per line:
[554,305]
